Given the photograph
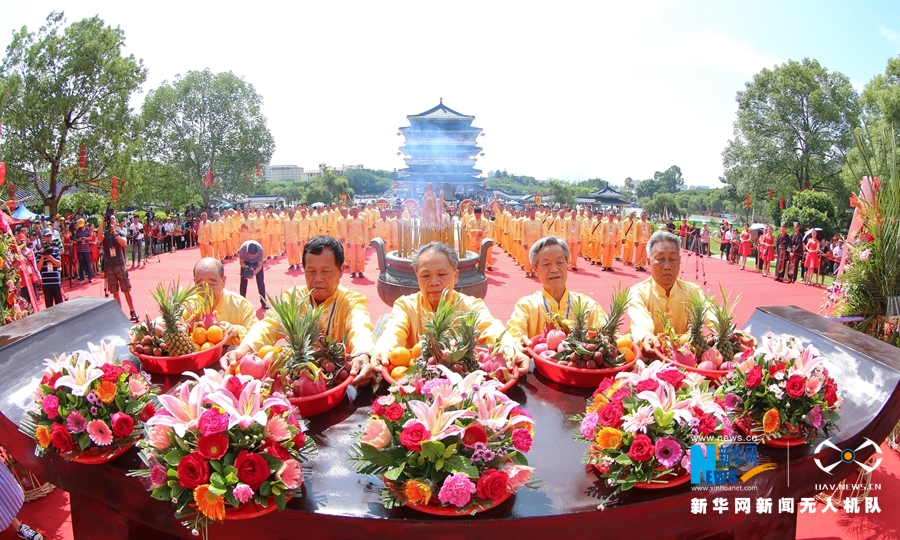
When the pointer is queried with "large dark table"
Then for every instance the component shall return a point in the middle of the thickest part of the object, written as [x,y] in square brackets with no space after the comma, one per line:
[339,503]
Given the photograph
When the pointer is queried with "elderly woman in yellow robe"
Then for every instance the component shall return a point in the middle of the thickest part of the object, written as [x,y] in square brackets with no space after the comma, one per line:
[550,258]
[436,266]
[662,292]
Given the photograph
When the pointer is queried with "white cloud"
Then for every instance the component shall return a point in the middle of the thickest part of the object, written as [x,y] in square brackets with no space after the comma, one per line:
[892,37]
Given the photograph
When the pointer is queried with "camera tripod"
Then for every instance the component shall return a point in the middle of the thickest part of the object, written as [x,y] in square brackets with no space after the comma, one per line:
[698,262]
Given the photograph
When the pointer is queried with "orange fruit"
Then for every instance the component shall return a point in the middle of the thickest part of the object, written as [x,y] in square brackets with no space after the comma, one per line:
[398,372]
[236,340]
[206,345]
[399,356]
[198,336]
[623,342]
[215,333]
[416,351]
[264,350]
[628,353]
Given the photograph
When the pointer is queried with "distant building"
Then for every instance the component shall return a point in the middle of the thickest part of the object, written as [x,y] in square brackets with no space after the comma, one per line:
[306,176]
[441,147]
[283,173]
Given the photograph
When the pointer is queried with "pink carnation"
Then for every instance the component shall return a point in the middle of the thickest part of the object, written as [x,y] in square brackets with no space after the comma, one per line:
[589,425]
[457,490]
[50,406]
[243,493]
[521,440]
[212,422]
[158,476]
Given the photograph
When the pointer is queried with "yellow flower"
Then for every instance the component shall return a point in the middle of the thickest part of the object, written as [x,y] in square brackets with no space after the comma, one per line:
[209,504]
[417,492]
[771,421]
[609,438]
[106,391]
[42,435]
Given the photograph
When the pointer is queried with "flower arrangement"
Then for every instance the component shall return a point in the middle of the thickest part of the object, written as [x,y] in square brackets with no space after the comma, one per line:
[783,389]
[452,441]
[89,404]
[223,442]
[640,426]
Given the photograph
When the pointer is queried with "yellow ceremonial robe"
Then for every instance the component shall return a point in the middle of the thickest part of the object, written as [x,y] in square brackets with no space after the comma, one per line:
[646,297]
[530,313]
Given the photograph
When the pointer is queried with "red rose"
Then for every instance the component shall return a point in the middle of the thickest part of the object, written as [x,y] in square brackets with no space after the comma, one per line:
[51,381]
[641,448]
[706,424]
[775,368]
[147,412]
[796,386]
[252,469]
[754,377]
[277,410]
[234,386]
[474,434]
[378,409]
[110,372]
[275,450]
[647,384]
[192,471]
[611,414]
[671,376]
[122,424]
[492,484]
[61,438]
[413,436]
[213,446]
[604,385]
[394,412]
[830,393]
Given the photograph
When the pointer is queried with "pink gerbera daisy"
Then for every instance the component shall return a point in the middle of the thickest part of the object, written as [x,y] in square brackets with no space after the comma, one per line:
[76,422]
[99,432]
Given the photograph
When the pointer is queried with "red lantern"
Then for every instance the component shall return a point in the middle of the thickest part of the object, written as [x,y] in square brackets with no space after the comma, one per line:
[82,157]
[209,179]
[12,191]
[484,186]
[257,170]
[781,203]
[482,134]
[2,172]
[398,133]
[396,186]
[807,184]
[747,204]
[399,153]
[771,194]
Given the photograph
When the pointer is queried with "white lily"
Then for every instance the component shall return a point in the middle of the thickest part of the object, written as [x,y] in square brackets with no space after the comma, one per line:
[80,373]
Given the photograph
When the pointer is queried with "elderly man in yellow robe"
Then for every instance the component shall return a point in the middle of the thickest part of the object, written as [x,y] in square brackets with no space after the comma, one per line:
[643,229]
[609,240]
[662,292]
[476,231]
[436,268]
[551,257]
[235,313]
[531,233]
[628,235]
[345,317]
[204,236]
[217,228]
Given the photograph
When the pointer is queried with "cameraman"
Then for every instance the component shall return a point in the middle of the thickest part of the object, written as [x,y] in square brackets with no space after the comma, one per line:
[251,256]
[48,265]
[113,248]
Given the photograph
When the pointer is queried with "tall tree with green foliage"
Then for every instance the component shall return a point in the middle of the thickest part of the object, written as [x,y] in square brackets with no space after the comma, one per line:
[561,193]
[327,187]
[62,88]
[792,130]
[205,122]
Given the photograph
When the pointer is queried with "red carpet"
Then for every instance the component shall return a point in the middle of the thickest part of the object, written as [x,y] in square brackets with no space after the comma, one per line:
[51,514]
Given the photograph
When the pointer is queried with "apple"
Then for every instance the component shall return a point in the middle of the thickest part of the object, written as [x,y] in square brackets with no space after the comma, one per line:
[253,366]
[706,364]
[712,355]
[554,338]
[539,348]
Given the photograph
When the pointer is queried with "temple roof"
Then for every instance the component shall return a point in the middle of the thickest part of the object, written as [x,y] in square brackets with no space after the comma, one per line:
[607,191]
[440,112]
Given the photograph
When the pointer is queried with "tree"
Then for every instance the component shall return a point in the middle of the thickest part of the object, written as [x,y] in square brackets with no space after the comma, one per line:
[60,90]
[792,130]
[670,179]
[369,181]
[208,123]
[561,192]
[327,187]
[660,202]
[812,210]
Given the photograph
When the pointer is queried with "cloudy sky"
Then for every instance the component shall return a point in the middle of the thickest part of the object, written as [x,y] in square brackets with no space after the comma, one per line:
[568,90]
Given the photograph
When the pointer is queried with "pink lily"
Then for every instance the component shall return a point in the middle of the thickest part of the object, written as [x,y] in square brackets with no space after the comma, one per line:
[245,409]
[184,409]
[664,399]
[493,412]
[439,423]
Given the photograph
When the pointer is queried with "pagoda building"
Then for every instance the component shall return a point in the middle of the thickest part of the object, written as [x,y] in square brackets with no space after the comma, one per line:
[441,147]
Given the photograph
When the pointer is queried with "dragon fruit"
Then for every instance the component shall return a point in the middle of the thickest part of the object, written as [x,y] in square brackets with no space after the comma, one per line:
[683,355]
[311,382]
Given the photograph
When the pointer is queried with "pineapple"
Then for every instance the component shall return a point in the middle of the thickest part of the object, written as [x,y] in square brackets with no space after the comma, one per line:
[697,310]
[579,320]
[616,312]
[172,301]
[438,332]
[723,324]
